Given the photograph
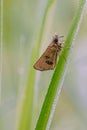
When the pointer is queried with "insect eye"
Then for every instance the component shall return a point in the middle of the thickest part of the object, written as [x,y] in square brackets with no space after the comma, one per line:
[56,40]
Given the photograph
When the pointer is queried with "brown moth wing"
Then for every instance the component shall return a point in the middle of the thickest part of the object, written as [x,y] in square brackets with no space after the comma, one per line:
[48,60]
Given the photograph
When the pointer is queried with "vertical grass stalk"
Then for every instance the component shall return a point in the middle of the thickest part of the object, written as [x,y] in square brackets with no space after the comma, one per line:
[56,83]
[1,46]
[27,109]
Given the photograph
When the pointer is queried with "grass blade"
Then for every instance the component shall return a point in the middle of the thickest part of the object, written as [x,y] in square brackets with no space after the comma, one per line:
[55,86]
[27,109]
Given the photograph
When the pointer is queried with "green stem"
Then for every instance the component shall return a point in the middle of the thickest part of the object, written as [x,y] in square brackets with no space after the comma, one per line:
[27,109]
[59,73]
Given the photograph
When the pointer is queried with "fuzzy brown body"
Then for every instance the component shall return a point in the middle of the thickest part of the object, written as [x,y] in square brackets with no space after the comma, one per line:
[48,60]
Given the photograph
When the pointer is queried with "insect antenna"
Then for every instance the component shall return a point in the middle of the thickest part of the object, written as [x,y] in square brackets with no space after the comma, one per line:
[61,36]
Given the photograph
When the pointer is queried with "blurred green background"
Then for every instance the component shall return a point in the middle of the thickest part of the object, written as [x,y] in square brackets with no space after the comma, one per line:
[22,20]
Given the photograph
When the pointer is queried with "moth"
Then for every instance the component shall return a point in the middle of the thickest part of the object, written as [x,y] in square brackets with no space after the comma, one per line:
[48,60]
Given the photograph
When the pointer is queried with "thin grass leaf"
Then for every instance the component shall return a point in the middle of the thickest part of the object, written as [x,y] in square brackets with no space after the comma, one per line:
[26,115]
[56,83]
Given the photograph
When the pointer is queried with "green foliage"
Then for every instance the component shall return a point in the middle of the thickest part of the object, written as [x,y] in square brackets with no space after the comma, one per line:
[58,76]
[20,23]
[26,115]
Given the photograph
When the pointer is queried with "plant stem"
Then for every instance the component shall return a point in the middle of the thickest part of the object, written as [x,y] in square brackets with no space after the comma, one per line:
[56,83]
[27,109]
